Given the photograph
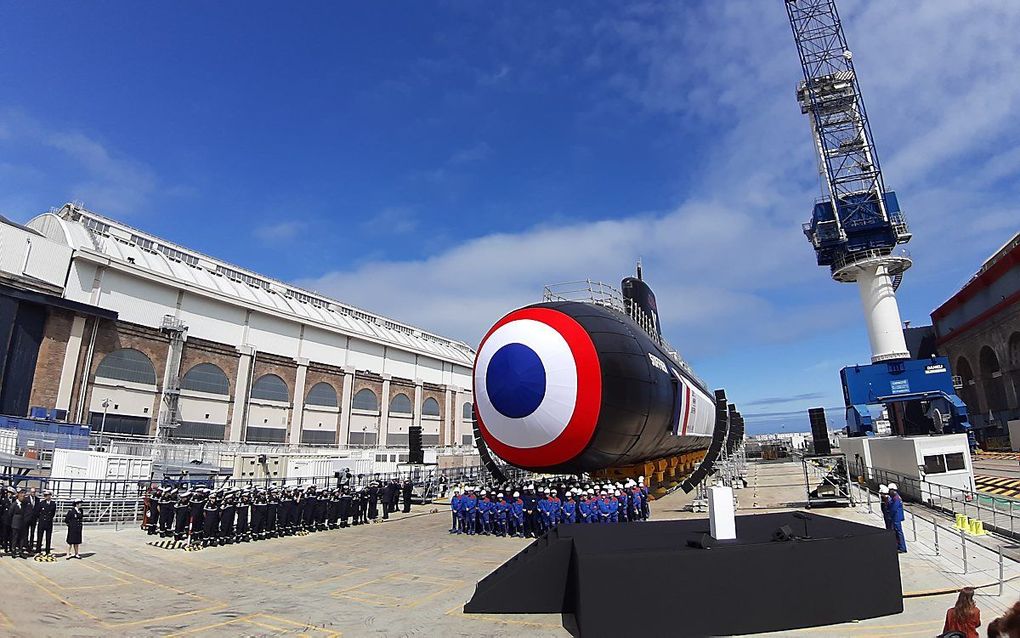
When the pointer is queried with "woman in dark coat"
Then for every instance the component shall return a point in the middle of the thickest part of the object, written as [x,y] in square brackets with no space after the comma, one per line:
[74,519]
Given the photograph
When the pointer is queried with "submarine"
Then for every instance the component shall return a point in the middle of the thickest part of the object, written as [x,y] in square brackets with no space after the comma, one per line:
[584,382]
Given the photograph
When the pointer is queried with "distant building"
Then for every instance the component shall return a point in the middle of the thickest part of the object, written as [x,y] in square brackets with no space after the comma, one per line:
[978,328]
[83,305]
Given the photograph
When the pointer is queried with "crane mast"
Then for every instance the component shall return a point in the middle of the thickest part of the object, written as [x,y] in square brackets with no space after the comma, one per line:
[856,228]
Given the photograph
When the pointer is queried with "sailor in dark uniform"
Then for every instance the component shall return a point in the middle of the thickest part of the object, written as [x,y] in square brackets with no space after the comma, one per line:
[346,506]
[182,510]
[258,514]
[152,509]
[309,508]
[166,511]
[272,513]
[197,514]
[210,521]
[45,512]
[332,508]
[19,525]
[242,512]
[227,510]
[407,490]
[321,506]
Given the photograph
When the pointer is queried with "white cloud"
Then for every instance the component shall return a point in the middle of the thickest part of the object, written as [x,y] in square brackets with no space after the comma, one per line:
[71,165]
[280,231]
[393,219]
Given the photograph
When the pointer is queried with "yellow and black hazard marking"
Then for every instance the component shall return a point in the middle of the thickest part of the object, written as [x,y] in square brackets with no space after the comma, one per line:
[45,558]
[1008,456]
[998,485]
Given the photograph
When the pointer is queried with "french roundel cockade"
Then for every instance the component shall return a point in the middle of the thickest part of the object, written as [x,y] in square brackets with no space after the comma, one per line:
[538,388]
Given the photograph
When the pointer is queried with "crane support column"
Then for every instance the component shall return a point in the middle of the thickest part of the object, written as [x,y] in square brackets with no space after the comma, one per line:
[881,313]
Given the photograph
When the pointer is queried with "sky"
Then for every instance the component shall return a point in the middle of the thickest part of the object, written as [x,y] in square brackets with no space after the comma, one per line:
[439,162]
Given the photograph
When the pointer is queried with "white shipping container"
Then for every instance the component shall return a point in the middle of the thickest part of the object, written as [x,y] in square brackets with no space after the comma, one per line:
[306,468]
[8,441]
[96,473]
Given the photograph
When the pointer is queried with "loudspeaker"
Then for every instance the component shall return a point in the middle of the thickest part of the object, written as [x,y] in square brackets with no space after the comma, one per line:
[819,431]
[702,541]
[415,453]
[262,459]
[783,534]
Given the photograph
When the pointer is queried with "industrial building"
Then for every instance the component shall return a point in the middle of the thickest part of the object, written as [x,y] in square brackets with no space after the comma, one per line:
[90,310]
[978,329]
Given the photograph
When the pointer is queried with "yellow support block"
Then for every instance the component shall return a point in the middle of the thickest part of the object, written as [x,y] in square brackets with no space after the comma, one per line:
[962,522]
[977,528]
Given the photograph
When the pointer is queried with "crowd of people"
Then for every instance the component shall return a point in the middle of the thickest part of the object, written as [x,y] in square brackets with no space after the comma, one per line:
[26,523]
[529,510]
[205,517]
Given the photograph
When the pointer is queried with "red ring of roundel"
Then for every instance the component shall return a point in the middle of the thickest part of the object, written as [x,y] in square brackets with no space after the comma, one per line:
[581,427]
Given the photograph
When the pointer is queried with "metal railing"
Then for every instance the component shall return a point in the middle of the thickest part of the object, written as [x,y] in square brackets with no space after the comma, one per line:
[603,294]
[998,514]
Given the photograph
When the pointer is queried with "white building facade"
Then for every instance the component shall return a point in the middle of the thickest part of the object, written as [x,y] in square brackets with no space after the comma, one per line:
[262,361]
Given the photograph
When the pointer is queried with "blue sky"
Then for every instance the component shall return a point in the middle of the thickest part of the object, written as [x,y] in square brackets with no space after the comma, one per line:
[440,162]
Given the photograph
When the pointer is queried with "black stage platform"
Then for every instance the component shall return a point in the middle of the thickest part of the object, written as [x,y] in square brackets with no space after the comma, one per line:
[643,578]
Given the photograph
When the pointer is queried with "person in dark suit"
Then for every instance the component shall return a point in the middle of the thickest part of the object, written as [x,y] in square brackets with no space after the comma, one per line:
[6,498]
[406,491]
[32,500]
[373,500]
[389,495]
[45,512]
[75,520]
[19,525]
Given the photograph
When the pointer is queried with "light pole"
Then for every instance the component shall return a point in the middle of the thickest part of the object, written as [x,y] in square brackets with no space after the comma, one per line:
[106,408]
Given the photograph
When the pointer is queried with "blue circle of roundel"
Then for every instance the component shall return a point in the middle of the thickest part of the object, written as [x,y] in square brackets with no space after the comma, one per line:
[515,380]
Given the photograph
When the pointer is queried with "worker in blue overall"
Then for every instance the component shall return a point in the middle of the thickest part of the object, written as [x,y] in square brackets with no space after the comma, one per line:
[883,494]
[542,508]
[555,509]
[517,515]
[603,507]
[455,501]
[614,509]
[896,513]
[468,511]
[646,510]
[485,513]
[635,501]
[569,509]
[583,508]
[500,510]
[622,497]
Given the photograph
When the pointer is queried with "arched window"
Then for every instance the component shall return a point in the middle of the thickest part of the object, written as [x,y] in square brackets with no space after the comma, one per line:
[400,405]
[206,377]
[469,412]
[991,377]
[322,394]
[270,387]
[365,399]
[968,393]
[430,407]
[127,365]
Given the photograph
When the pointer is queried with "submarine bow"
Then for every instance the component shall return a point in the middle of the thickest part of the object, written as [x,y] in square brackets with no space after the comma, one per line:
[568,386]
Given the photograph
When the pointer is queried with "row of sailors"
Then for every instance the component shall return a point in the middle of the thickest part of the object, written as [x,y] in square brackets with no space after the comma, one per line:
[209,517]
[479,511]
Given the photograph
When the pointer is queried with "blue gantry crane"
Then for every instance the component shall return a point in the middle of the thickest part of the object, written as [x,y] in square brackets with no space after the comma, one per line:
[857,230]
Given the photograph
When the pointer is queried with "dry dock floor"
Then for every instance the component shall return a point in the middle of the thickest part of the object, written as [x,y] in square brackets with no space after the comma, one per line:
[405,577]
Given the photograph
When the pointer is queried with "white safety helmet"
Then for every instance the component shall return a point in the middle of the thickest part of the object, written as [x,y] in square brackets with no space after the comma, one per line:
[517,494]
[500,495]
[883,489]
[893,487]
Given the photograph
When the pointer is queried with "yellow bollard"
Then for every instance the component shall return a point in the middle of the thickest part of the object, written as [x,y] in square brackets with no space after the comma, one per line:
[977,528]
[962,522]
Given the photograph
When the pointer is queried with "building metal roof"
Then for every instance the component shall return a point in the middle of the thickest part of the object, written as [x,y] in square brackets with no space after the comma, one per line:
[91,232]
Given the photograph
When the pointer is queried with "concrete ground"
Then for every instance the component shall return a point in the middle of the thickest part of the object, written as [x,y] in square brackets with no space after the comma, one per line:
[404,577]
